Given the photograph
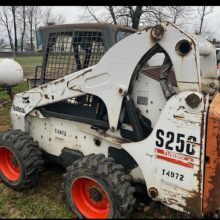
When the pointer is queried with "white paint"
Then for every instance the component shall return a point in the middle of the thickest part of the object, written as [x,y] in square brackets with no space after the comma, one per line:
[172,116]
[11,73]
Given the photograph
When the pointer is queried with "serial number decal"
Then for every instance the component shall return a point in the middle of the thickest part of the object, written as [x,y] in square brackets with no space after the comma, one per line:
[172,174]
[18,109]
[58,131]
[179,139]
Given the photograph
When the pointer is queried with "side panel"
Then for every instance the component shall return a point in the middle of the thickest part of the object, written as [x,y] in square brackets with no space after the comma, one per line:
[211,196]
[172,157]
[53,134]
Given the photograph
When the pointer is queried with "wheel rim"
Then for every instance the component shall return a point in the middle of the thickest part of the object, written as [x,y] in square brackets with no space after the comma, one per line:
[90,199]
[9,164]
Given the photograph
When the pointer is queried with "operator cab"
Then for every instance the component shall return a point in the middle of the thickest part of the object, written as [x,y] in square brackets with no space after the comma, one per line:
[68,48]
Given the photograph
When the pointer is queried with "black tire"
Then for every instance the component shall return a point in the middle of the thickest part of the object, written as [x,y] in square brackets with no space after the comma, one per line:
[107,176]
[23,167]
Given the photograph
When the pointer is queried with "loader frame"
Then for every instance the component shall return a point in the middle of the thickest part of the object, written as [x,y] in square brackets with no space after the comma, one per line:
[167,149]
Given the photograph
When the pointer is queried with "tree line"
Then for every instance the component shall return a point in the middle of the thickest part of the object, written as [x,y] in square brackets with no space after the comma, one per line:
[190,18]
[20,21]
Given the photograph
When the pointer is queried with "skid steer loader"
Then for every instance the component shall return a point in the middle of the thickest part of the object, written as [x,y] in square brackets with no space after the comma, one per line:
[120,124]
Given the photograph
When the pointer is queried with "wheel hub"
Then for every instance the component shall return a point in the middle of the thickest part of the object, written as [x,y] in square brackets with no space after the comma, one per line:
[95,194]
[13,161]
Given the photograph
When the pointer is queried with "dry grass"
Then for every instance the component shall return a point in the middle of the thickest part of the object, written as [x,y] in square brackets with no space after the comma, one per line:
[44,199]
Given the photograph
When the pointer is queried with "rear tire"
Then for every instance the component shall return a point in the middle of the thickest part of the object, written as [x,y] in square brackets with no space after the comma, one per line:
[96,187]
[20,159]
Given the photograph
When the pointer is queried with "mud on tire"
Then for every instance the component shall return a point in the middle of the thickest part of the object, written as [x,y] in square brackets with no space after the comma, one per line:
[97,184]
[21,160]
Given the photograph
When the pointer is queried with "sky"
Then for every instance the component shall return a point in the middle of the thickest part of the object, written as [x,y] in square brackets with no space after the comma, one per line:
[212,20]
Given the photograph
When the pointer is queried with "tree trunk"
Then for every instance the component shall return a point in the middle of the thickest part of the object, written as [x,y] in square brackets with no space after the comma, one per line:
[24,27]
[136,17]
[15,27]
[203,12]
[32,47]
[112,14]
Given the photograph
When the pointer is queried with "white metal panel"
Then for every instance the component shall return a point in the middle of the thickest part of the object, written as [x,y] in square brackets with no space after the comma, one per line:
[55,134]
[175,169]
[150,90]
[208,60]
[187,69]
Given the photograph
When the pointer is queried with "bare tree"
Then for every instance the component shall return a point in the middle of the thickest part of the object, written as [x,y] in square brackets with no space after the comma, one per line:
[14,14]
[123,15]
[30,17]
[37,17]
[135,16]
[59,19]
[111,9]
[203,11]
[92,14]
[181,15]
[22,23]
[48,15]
[2,42]
[206,31]
[6,21]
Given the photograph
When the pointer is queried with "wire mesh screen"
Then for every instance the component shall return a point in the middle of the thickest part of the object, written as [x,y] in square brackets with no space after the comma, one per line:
[68,52]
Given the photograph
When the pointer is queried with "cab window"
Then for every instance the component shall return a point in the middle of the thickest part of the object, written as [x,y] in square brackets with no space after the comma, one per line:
[121,34]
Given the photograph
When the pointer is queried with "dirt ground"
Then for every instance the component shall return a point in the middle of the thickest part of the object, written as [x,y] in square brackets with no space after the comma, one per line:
[44,200]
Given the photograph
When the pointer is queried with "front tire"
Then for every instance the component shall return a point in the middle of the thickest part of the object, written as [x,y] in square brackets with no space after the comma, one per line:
[96,187]
[20,159]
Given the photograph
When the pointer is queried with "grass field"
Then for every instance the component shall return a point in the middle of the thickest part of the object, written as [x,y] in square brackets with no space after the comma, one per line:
[28,64]
[44,199]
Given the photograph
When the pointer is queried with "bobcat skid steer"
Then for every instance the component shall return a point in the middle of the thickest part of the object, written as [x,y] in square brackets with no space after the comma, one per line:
[121,124]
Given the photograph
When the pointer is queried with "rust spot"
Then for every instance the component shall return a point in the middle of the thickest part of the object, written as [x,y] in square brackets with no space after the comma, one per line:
[46,96]
[73,87]
[86,71]
[211,191]
[180,107]
[76,89]
[146,29]
[120,141]
[52,97]
[82,74]
[193,204]
[61,80]
[178,116]
[63,92]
